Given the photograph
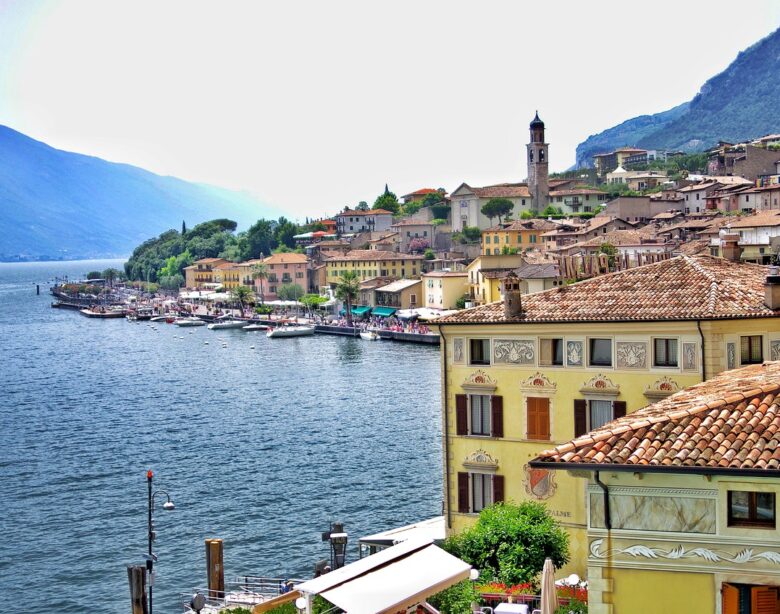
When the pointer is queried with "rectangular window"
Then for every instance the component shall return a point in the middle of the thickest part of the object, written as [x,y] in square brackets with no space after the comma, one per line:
[600,353]
[479,405]
[600,413]
[751,509]
[479,351]
[751,350]
[532,238]
[481,491]
[550,352]
[665,352]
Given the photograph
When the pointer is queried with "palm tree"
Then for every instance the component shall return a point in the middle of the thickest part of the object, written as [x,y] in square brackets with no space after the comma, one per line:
[260,271]
[241,294]
[348,289]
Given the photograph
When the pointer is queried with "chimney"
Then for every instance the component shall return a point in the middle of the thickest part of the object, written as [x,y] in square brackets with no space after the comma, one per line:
[513,305]
[729,246]
[772,289]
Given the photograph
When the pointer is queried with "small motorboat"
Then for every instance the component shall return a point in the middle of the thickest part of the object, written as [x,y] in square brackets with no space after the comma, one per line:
[189,322]
[255,326]
[226,324]
[102,312]
[290,330]
[159,318]
[369,335]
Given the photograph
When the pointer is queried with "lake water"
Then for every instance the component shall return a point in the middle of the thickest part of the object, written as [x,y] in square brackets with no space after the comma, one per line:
[262,447]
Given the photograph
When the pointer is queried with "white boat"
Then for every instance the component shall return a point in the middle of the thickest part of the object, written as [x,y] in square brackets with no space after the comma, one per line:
[189,322]
[290,330]
[161,318]
[369,335]
[255,326]
[225,324]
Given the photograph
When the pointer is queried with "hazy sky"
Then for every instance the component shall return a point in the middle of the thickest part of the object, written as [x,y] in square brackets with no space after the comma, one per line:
[315,105]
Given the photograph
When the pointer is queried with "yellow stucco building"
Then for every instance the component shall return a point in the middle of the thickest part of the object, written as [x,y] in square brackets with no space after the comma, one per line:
[682,500]
[373,263]
[515,236]
[201,273]
[533,371]
[443,289]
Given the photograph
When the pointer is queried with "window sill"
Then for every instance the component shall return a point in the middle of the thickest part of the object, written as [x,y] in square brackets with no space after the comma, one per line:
[751,525]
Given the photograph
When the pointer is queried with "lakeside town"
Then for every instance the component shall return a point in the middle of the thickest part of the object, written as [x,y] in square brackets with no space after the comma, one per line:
[607,371]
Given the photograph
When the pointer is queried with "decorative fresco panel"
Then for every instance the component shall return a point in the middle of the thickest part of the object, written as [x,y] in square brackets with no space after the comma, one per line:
[631,355]
[514,352]
[574,353]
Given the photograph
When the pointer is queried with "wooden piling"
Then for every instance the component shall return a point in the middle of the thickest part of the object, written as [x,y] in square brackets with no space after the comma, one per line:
[136,575]
[215,570]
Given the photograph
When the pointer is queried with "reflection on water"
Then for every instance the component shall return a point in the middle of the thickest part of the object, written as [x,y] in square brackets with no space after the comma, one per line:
[262,447]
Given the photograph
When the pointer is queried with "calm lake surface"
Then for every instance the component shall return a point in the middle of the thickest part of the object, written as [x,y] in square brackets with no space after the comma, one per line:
[261,447]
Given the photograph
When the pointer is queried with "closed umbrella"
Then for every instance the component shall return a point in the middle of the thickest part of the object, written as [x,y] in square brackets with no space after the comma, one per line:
[549,594]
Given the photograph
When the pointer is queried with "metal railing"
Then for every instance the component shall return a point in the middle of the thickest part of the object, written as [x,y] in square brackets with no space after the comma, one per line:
[240,591]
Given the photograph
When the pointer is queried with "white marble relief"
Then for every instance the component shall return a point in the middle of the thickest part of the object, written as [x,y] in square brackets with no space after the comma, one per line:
[731,355]
[711,555]
[458,349]
[638,513]
[514,352]
[574,353]
[774,350]
[689,356]
[631,355]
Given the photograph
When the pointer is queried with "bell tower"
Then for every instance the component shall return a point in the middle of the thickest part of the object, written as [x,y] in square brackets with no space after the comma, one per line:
[538,184]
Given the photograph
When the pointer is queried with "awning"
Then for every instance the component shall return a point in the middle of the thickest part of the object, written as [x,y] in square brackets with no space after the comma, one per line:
[357,310]
[433,528]
[392,580]
[383,312]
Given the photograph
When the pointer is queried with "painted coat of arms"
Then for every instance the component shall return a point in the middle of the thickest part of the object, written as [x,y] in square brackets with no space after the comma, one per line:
[539,483]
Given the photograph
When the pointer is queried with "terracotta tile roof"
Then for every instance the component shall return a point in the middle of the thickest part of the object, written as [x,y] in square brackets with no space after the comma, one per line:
[541,270]
[694,247]
[503,190]
[373,254]
[287,259]
[695,187]
[446,274]
[617,237]
[575,191]
[759,220]
[420,192]
[408,222]
[728,423]
[209,260]
[517,225]
[681,288]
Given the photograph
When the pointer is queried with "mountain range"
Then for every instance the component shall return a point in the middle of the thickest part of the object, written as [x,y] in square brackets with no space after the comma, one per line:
[61,205]
[737,104]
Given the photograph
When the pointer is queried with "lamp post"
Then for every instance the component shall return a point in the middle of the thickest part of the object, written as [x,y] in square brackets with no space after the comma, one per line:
[338,544]
[151,558]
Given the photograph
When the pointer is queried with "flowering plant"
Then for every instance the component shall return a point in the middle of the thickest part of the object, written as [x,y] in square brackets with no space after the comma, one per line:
[526,588]
[573,592]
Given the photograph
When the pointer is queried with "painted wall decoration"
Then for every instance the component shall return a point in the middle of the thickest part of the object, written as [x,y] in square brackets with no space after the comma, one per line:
[574,353]
[600,384]
[631,355]
[689,356]
[458,350]
[731,355]
[480,460]
[514,352]
[539,483]
[680,552]
[661,388]
[774,348]
[479,378]
[538,382]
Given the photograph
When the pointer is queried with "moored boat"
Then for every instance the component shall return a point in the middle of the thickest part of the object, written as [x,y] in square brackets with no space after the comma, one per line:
[189,322]
[227,324]
[290,330]
[255,326]
[102,312]
[369,335]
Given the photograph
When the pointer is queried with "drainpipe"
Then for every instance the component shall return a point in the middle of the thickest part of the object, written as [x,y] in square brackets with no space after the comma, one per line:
[445,394]
[703,360]
[607,516]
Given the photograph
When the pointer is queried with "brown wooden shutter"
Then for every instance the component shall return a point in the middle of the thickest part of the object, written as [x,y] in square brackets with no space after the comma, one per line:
[580,417]
[497,416]
[618,409]
[461,414]
[763,600]
[543,418]
[498,488]
[730,599]
[463,492]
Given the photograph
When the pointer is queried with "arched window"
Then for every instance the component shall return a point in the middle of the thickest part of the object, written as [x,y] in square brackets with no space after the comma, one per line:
[531,155]
[541,155]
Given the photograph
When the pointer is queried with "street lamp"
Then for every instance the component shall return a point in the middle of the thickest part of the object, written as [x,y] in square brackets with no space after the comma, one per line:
[152,557]
[338,544]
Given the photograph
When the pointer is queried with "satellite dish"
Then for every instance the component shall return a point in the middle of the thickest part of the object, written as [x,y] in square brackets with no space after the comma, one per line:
[198,602]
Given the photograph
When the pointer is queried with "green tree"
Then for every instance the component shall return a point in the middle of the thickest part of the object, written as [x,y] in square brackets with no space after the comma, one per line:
[348,290]
[260,271]
[430,254]
[171,282]
[497,207]
[434,198]
[362,206]
[285,231]
[610,250]
[242,295]
[510,542]
[387,201]
[526,215]
[412,207]
[259,240]
[312,301]
[111,275]
[550,210]
[456,599]
[290,292]
[441,211]
[461,302]
[94,275]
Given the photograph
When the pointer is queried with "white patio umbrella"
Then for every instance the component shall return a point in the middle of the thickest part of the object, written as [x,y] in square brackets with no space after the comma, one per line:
[549,594]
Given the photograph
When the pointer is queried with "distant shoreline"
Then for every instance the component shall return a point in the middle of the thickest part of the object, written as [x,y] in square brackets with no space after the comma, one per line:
[107,259]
